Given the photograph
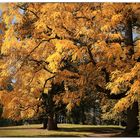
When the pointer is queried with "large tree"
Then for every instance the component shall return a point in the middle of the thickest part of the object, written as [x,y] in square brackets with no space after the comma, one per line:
[70,43]
[40,63]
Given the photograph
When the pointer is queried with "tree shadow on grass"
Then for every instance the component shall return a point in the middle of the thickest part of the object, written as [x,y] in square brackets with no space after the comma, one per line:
[126,134]
[93,129]
[101,131]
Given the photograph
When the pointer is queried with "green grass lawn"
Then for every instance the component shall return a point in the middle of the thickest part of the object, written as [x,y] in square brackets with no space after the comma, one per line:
[65,130]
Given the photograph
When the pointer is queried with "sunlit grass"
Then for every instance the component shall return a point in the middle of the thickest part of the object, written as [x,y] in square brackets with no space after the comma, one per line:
[65,130]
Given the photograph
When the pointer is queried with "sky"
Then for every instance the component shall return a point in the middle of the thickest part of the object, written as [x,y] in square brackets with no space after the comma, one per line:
[135,35]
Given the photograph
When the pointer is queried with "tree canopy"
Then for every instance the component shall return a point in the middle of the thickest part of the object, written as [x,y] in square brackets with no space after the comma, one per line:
[85,48]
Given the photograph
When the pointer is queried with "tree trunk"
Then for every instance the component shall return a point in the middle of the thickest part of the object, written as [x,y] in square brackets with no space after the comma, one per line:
[94,116]
[83,117]
[45,123]
[132,113]
[132,120]
[139,115]
[52,124]
[129,33]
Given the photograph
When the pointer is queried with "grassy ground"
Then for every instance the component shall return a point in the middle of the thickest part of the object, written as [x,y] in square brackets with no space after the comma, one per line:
[65,130]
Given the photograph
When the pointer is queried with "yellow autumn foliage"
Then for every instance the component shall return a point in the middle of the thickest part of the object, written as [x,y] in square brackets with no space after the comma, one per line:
[73,43]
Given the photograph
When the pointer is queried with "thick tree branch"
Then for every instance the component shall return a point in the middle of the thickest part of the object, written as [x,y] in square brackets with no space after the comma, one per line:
[129,37]
[91,56]
[106,74]
[110,96]
[43,63]
[47,81]
[33,77]
[48,70]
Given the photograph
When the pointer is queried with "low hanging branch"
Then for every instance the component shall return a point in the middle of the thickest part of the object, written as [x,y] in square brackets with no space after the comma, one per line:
[27,56]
